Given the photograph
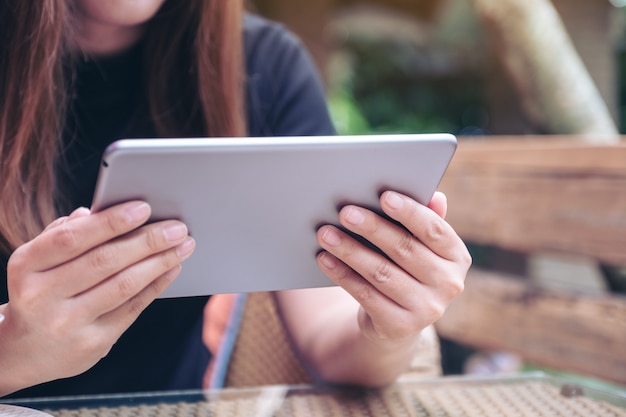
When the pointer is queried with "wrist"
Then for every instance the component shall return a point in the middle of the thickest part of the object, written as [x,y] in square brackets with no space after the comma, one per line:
[13,376]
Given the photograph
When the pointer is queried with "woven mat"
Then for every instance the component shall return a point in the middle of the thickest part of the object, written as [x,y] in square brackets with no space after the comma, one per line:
[263,353]
[462,400]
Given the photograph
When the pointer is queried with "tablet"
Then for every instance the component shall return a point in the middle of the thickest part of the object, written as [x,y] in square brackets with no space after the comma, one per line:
[253,205]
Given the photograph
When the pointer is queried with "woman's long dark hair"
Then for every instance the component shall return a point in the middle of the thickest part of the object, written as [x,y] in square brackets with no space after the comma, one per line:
[201,36]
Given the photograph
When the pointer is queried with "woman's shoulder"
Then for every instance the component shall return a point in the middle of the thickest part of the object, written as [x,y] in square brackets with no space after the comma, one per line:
[268,43]
[283,89]
[260,32]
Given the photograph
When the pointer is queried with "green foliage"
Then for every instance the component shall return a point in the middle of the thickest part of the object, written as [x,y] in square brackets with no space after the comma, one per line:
[346,115]
[384,87]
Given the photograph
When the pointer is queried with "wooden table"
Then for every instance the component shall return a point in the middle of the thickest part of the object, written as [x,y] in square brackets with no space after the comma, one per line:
[517,395]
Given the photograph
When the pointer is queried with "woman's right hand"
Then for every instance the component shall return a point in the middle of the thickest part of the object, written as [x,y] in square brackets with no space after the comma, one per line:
[75,288]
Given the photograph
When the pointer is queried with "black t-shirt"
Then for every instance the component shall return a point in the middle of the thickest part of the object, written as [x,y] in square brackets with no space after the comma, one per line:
[163,349]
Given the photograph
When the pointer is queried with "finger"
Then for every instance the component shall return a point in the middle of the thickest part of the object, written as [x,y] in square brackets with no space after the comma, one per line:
[69,239]
[118,320]
[79,212]
[116,255]
[385,315]
[126,285]
[394,241]
[439,204]
[361,289]
[383,275]
[431,229]
[56,222]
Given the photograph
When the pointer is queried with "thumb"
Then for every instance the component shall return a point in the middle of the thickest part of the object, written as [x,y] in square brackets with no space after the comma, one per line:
[439,204]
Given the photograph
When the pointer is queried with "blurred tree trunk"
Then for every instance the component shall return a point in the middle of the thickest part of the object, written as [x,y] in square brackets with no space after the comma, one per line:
[554,87]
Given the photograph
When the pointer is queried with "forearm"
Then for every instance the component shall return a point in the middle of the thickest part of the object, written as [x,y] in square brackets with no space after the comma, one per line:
[333,345]
[345,356]
[10,378]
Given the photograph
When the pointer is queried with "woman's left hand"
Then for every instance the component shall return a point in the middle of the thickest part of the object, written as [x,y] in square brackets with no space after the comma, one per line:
[423,270]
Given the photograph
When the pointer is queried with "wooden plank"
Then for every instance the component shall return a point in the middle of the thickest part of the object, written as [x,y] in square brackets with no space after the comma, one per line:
[572,332]
[550,195]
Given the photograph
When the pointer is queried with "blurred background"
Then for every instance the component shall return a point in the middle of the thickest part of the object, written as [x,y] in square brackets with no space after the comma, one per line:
[433,65]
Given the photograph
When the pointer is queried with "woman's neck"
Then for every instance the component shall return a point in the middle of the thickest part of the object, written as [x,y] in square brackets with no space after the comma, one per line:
[96,38]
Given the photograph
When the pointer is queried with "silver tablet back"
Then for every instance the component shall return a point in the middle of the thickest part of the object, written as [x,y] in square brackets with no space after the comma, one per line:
[253,204]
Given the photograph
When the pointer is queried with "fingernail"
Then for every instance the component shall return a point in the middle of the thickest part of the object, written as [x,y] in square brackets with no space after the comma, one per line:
[185,248]
[138,211]
[79,211]
[331,237]
[355,215]
[175,231]
[1,318]
[327,260]
[393,200]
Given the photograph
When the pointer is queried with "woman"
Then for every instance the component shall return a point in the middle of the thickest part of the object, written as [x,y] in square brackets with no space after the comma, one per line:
[78,314]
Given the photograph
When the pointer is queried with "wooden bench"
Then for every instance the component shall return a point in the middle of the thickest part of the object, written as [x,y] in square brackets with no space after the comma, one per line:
[541,195]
